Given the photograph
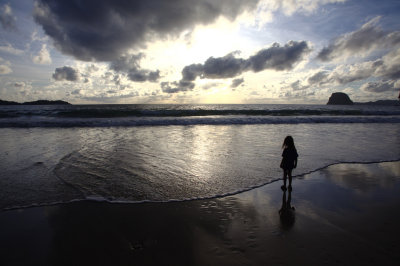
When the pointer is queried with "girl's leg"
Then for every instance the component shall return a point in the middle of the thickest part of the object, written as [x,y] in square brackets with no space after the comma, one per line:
[284,179]
[289,172]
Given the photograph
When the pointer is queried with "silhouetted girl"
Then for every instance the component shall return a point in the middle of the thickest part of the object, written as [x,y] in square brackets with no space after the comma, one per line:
[289,160]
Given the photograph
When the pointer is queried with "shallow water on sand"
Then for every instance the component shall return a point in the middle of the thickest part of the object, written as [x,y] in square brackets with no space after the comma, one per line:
[162,163]
[355,219]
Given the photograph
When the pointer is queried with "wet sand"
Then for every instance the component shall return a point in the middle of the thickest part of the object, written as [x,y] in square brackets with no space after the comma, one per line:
[345,214]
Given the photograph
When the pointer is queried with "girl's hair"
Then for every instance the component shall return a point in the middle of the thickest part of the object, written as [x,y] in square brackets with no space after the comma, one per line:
[288,143]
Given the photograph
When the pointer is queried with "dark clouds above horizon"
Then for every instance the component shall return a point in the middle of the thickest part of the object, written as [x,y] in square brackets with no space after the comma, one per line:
[276,57]
[232,51]
[65,73]
[114,27]
[130,64]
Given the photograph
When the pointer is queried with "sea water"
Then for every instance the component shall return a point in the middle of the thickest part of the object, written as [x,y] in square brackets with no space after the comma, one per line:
[137,153]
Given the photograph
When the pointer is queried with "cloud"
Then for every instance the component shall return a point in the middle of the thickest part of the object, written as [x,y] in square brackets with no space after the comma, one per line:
[380,86]
[344,74]
[103,30]
[66,73]
[276,58]
[10,49]
[389,66]
[92,68]
[35,36]
[318,78]
[223,67]
[191,72]
[364,40]
[289,7]
[279,57]
[76,92]
[175,87]
[236,82]
[19,84]
[5,69]
[267,8]
[130,64]
[386,68]
[211,85]
[297,86]
[7,19]
[144,75]
[43,57]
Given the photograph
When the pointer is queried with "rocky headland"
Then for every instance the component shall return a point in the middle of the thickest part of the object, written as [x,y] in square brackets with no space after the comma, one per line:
[341,98]
[39,102]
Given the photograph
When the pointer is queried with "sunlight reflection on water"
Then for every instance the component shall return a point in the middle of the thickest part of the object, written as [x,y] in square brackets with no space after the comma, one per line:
[174,162]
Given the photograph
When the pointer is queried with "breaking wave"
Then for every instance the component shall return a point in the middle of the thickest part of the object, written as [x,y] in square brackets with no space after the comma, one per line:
[164,115]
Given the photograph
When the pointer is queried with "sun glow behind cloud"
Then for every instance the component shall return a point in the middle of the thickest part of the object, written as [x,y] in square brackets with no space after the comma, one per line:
[208,52]
[196,46]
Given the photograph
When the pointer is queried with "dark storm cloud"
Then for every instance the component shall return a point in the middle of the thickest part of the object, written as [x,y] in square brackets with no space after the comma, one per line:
[223,67]
[191,72]
[143,75]
[279,57]
[369,37]
[276,57]
[126,62]
[236,82]
[65,73]
[102,30]
[130,64]
[175,87]
[7,19]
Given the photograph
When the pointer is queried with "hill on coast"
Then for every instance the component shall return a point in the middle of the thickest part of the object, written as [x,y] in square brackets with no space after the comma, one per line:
[39,102]
[341,98]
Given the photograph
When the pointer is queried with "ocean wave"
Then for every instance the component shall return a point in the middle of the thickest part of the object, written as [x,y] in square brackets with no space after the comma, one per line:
[120,112]
[164,115]
[44,121]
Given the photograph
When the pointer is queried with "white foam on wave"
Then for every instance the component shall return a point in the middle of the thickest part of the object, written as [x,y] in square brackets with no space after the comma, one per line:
[44,121]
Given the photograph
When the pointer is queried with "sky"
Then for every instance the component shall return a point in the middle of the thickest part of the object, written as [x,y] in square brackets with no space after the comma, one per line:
[199,51]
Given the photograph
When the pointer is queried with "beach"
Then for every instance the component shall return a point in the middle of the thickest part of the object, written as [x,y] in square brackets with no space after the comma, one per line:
[155,132]
[344,214]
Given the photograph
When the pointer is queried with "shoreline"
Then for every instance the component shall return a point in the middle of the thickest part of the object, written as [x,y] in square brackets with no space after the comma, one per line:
[344,214]
[104,200]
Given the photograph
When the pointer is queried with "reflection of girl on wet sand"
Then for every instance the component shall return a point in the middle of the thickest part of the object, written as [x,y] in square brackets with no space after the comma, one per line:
[286,213]
[289,161]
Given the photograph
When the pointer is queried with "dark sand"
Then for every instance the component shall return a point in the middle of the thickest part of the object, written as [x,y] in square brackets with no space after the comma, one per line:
[346,214]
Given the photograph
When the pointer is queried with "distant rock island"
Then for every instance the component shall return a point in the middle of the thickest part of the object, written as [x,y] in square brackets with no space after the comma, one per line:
[341,98]
[39,102]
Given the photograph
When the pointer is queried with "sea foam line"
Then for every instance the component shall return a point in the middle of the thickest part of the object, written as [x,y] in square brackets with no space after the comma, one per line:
[26,122]
[97,198]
